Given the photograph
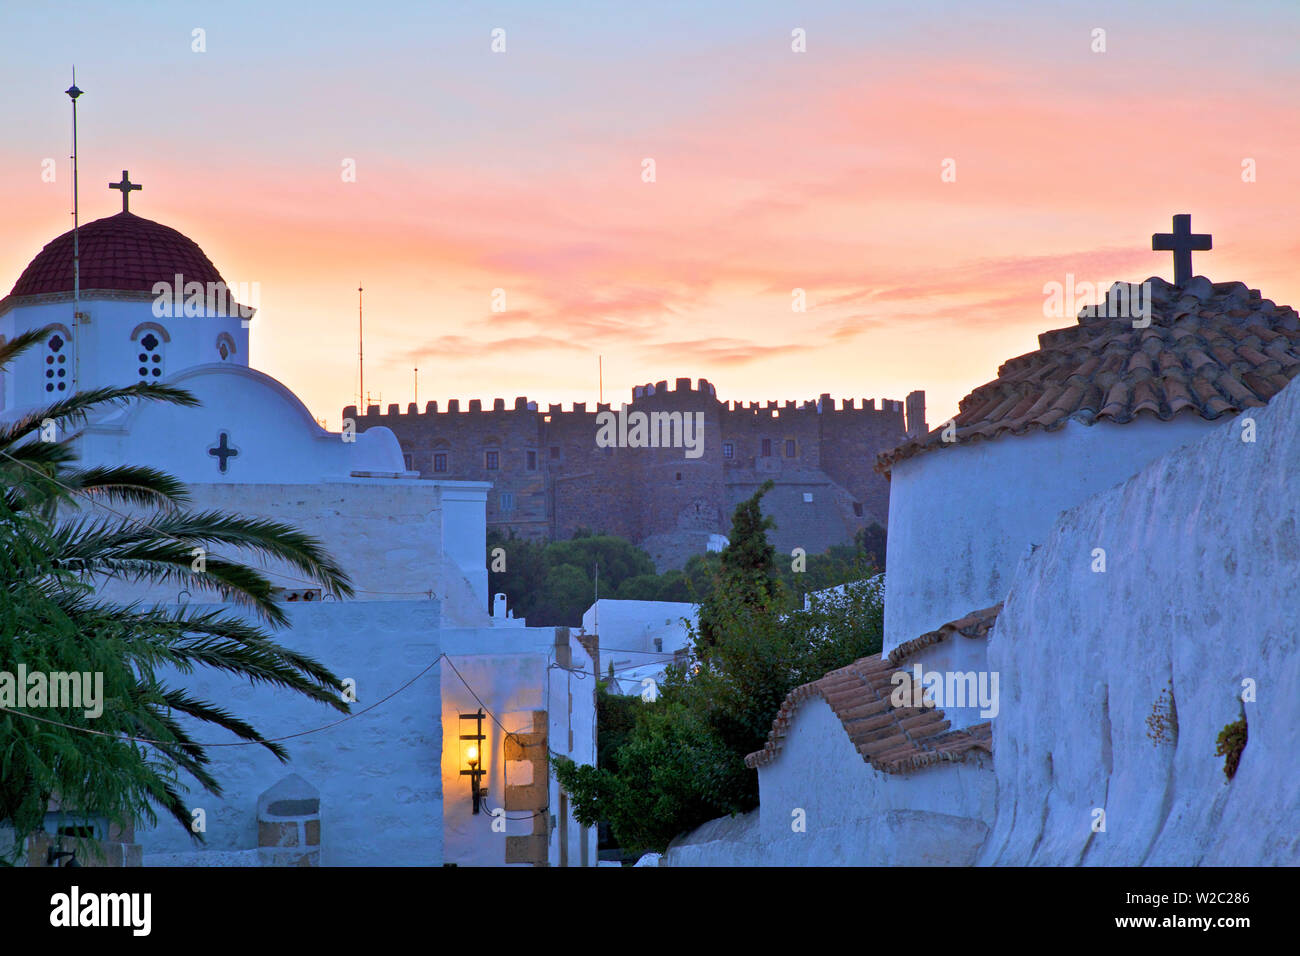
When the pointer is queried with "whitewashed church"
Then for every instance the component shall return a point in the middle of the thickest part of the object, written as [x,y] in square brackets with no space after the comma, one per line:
[1091,570]
[385,787]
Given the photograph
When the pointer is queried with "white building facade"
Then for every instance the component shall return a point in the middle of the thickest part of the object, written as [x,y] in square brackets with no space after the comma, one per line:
[417,637]
[639,640]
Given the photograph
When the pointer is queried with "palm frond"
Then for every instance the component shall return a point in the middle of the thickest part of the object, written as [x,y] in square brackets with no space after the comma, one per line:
[20,343]
[128,484]
[133,758]
[79,406]
[211,714]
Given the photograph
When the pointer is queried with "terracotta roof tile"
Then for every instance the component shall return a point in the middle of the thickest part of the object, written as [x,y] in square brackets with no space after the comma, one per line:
[1211,349]
[975,625]
[1179,397]
[891,739]
[1248,350]
[1236,391]
[1146,398]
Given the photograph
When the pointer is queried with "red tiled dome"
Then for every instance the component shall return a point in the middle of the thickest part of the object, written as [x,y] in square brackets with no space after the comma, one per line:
[124,253]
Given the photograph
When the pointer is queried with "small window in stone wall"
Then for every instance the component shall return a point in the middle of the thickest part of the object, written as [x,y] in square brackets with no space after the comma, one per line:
[531,458]
[857,508]
[491,460]
[728,450]
[440,462]
[555,452]
[789,448]
[507,501]
[406,459]
[56,363]
[767,447]
[149,355]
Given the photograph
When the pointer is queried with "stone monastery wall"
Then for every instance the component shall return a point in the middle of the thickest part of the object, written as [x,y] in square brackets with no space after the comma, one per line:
[551,477]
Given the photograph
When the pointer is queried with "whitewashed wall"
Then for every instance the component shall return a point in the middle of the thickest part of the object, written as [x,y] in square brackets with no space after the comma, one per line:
[961,655]
[388,536]
[513,671]
[628,631]
[380,789]
[854,815]
[102,350]
[277,439]
[961,517]
[573,732]
[1199,594]
[390,784]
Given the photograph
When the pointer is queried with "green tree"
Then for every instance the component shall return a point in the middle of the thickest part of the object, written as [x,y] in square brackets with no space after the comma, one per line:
[56,552]
[566,593]
[682,763]
[872,541]
[555,583]
[616,717]
[747,575]
[701,572]
[516,568]
[665,781]
[529,572]
[642,587]
[840,564]
[616,558]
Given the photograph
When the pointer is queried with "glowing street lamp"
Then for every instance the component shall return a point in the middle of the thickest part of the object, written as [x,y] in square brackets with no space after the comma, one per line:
[471,744]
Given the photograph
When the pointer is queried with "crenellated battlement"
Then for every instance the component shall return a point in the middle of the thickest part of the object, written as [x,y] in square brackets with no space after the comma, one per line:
[684,393]
[824,405]
[682,386]
[473,407]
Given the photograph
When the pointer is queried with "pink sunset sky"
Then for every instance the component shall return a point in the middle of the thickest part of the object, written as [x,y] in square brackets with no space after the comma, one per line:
[775,170]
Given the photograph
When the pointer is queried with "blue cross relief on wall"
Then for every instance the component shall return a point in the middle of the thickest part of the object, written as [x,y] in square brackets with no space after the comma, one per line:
[223,451]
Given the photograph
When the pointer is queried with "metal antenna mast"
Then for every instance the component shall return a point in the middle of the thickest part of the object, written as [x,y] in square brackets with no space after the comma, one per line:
[73,93]
[361,355]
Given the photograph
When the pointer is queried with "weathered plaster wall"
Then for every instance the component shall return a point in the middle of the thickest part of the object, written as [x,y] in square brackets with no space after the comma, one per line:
[573,731]
[1199,593]
[380,790]
[961,517]
[961,656]
[854,815]
[397,539]
[513,686]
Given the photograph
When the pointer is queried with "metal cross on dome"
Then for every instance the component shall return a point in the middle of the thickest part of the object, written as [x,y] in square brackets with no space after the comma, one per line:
[126,186]
[1181,242]
[223,451]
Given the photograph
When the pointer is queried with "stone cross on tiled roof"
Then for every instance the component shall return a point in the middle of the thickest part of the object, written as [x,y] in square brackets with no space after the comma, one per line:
[1181,242]
[126,186]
